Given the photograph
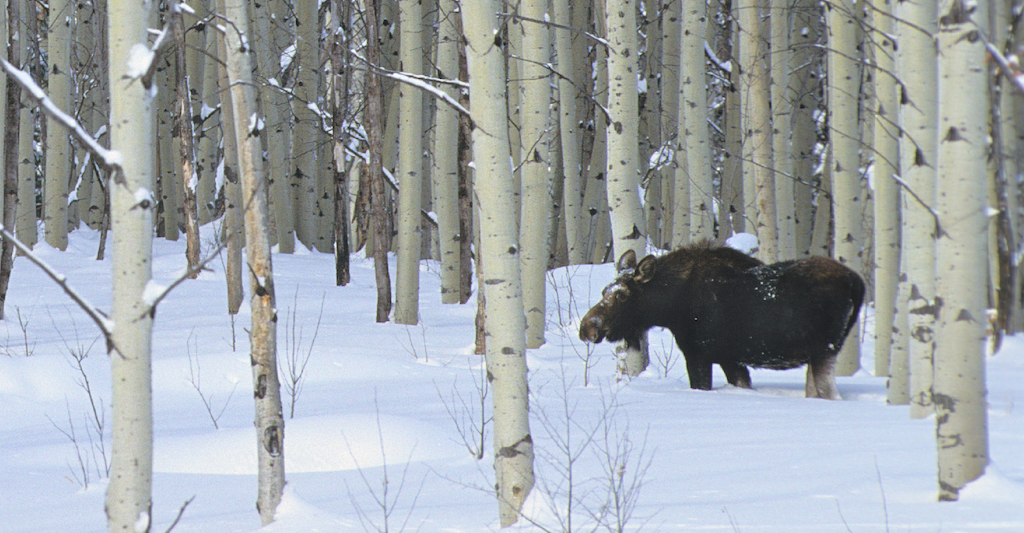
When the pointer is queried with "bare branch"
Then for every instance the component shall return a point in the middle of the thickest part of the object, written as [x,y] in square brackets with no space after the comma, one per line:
[188,273]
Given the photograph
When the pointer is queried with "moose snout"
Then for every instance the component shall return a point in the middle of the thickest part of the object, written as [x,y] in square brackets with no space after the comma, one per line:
[591,329]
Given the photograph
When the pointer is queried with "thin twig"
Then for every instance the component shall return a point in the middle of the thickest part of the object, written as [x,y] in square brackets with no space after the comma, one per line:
[188,273]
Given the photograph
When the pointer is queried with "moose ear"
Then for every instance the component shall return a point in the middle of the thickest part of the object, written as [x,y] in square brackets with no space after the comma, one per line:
[645,270]
[627,260]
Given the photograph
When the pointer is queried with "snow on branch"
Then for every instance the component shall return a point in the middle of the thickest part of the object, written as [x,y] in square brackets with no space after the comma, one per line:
[155,294]
[99,317]
[1010,67]
[110,160]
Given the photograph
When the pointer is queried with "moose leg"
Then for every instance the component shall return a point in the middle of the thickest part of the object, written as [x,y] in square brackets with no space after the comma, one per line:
[736,374]
[821,381]
[699,370]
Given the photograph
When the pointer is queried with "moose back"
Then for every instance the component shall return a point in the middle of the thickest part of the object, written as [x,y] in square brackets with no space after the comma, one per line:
[726,308]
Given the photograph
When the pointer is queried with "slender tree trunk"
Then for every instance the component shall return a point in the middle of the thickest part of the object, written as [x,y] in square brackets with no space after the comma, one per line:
[306,125]
[58,146]
[12,109]
[505,352]
[410,166]
[446,138]
[233,227]
[129,494]
[186,153]
[847,191]
[886,196]
[340,102]
[695,124]
[756,119]
[804,60]
[572,203]
[374,133]
[782,116]
[959,389]
[733,200]
[536,183]
[263,333]
[917,64]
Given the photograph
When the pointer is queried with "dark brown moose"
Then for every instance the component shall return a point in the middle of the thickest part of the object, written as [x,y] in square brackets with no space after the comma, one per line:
[726,308]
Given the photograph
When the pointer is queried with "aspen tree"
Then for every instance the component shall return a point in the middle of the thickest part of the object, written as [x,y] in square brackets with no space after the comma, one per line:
[805,56]
[410,165]
[499,261]
[847,191]
[569,132]
[536,183]
[233,225]
[129,494]
[374,134]
[11,134]
[186,152]
[886,192]
[306,127]
[782,116]
[694,128]
[916,65]
[759,184]
[671,130]
[58,144]
[270,458]
[961,255]
[622,178]
[446,137]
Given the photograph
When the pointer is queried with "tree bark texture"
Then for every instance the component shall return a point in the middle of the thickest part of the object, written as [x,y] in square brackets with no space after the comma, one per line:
[410,166]
[374,135]
[58,145]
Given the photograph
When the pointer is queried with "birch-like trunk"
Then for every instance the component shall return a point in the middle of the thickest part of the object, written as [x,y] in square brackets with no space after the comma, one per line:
[916,65]
[568,124]
[622,178]
[58,145]
[782,115]
[961,255]
[847,191]
[307,125]
[446,137]
[672,133]
[186,152]
[28,231]
[263,333]
[505,327]
[410,166]
[806,84]
[536,183]
[378,192]
[129,494]
[11,134]
[886,191]
[756,119]
[234,223]
[694,130]
[733,202]
[341,72]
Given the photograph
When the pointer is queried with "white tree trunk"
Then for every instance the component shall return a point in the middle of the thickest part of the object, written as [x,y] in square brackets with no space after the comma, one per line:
[410,166]
[886,196]
[129,495]
[782,116]
[262,334]
[58,146]
[917,64]
[756,119]
[535,157]
[307,125]
[695,124]
[499,247]
[961,255]
[568,123]
[804,60]
[446,137]
[622,178]
[847,191]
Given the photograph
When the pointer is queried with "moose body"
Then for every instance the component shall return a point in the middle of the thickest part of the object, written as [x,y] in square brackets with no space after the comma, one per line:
[732,310]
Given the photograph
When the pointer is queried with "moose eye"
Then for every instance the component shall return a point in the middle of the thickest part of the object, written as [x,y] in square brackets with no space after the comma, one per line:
[621,295]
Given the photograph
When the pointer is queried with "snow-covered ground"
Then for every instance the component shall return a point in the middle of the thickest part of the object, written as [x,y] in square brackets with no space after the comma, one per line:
[385,401]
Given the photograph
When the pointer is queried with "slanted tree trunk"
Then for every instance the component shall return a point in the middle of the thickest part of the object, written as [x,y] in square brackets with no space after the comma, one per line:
[622,178]
[886,195]
[263,333]
[961,253]
[917,64]
[505,351]
[58,146]
[847,191]
[536,183]
[374,135]
[410,166]
[186,153]
[129,495]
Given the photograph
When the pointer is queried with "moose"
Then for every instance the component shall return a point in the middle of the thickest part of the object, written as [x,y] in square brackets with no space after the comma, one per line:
[726,308]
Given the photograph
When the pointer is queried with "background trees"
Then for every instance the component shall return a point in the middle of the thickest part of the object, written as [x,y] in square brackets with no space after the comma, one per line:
[630,126]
